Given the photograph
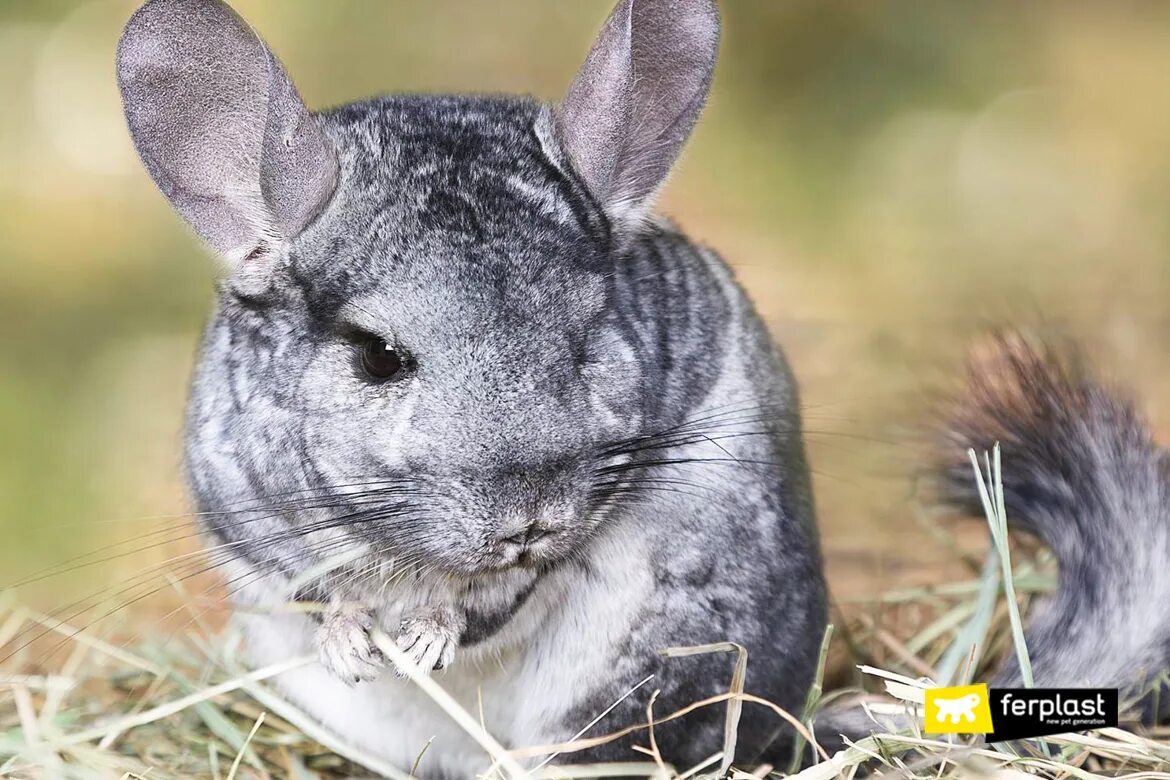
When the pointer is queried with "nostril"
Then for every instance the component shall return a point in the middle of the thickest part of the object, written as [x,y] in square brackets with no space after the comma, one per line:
[519,540]
[528,536]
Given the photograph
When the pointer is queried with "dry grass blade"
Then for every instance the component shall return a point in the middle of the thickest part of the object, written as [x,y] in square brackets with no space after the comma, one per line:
[574,771]
[244,748]
[991,494]
[548,759]
[734,704]
[585,744]
[316,734]
[500,757]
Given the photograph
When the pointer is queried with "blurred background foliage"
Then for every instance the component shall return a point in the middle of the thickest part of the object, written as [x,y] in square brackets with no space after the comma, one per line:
[886,178]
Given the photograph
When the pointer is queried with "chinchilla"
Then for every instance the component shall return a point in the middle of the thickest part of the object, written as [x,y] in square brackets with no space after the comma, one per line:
[461,386]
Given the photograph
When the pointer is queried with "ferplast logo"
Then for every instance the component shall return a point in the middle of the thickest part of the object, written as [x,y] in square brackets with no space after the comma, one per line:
[1018,713]
[962,709]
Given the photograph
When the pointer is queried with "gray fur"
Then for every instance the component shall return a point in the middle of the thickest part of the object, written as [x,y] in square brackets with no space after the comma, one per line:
[596,453]
[1082,472]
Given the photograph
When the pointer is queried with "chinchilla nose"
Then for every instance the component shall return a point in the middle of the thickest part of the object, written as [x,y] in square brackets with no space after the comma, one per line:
[523,534]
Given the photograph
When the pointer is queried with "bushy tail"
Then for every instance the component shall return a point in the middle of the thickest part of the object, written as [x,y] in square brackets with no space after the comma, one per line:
[1081,471]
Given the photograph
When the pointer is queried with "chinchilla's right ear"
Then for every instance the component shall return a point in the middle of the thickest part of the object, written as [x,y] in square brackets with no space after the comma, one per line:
[221,128]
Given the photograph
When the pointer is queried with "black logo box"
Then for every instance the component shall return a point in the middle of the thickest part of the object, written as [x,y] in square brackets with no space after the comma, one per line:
[1018,713]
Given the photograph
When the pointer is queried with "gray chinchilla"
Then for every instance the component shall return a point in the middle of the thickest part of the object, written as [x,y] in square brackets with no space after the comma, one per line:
[462,387]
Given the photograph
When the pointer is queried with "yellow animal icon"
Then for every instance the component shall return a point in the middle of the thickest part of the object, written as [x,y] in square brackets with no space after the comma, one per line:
[962,709]
[955,710]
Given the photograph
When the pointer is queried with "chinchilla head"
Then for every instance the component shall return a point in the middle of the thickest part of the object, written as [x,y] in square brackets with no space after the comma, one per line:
[416,334]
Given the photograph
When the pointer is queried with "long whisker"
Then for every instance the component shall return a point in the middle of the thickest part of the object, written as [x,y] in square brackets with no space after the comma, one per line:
[95,557]
[218,555]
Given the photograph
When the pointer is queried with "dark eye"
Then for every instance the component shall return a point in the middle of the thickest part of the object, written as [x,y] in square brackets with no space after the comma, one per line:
[380,361]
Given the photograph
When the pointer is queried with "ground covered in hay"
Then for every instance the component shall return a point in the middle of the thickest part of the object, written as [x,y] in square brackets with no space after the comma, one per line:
[89,703]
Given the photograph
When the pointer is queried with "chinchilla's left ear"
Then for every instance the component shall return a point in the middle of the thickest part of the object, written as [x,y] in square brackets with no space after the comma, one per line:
[221,128]
[632,105]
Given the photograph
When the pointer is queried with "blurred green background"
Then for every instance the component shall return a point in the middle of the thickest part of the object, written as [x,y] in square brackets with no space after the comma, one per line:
[886,178]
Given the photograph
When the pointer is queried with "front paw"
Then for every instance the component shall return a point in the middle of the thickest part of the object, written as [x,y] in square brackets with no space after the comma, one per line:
[345,648]
[429,640]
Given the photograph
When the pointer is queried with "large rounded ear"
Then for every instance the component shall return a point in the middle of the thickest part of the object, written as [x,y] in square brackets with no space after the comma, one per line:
[221,128]
[637,97]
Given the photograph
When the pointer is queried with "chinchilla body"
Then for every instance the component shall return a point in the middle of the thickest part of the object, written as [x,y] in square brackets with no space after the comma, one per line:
[461,388]
[544,357]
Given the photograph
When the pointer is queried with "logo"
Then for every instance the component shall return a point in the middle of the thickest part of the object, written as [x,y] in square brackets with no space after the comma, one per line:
[1018,713]
[959,710]
[1036,712]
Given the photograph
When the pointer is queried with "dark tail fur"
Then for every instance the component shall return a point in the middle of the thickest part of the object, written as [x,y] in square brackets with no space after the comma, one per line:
[1082,472]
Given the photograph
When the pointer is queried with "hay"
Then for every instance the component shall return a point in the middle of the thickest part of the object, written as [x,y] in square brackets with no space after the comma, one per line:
[187,707]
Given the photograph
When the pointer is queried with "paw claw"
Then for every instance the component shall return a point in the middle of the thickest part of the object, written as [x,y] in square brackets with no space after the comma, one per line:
[428,641]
